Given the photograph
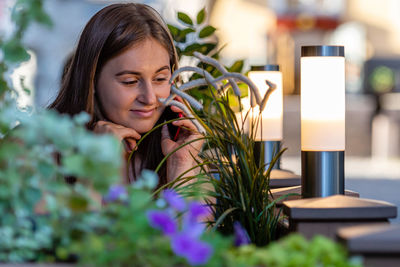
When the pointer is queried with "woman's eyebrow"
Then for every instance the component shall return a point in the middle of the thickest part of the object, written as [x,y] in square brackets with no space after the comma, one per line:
[127,72]
[138,73]
[166,67]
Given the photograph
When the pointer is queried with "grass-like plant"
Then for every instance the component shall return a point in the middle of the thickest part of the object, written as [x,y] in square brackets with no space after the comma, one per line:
[240,184]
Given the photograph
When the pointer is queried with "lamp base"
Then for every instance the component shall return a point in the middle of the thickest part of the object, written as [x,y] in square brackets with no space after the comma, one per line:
[322,173]
[324,216]
[267,150]
[294,192]
[283,178]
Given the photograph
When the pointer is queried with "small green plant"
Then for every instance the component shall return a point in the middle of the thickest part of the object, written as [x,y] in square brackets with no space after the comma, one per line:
[30,174]
[195,35]
[141,231]
[295,250]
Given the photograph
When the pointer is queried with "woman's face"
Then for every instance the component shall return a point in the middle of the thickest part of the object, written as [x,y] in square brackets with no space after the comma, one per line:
[130,84]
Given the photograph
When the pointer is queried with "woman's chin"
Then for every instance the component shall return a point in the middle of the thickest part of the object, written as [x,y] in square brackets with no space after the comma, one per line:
[141,126]
[142,129]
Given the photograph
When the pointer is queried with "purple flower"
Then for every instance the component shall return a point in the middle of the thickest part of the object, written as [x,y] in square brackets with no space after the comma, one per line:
[191,225]
[197,210]
[115,192]
[193,229]
[163,221]
[195,251]
[241,236]
[174,199]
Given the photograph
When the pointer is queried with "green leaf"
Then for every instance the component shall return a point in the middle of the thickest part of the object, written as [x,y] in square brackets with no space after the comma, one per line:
[181,38]
[174,30]
[207,48]
[39,14]
[179,51]
[201,16]
[75,164]
[46,169]
[43,18]
[244,91]
[14,52]
[78,203]
[191,48]
[32,195]
[185,18]
[237,66]
[27,91]
[140,200]
[62,253]
[222,217]
[207,31]
[187,31]
[3,83]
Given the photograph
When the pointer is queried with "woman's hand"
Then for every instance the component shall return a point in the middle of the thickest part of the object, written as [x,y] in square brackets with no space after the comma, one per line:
[182,159]
[125,135]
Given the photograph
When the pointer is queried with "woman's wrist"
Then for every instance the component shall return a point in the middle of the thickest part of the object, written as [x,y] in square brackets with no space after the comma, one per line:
[177,168]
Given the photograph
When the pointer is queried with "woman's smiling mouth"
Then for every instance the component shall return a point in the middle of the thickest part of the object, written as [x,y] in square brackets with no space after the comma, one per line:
[145,113]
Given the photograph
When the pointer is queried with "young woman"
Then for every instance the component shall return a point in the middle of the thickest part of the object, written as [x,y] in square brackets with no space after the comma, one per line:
[121,66]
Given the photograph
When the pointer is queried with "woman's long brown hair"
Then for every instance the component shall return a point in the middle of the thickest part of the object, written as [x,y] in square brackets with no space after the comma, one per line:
[109,33]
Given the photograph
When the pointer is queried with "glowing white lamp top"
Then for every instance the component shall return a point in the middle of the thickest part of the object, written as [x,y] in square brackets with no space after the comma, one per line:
[322,98]
[270,124]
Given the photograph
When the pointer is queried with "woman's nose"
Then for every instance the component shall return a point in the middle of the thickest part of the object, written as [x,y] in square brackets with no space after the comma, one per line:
[148,94]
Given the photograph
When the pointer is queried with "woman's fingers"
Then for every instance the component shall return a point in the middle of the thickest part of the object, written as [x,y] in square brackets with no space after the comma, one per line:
[121,132]
[175,108]
[130,144]
[185,123]
[188,133]
[126,135]
[167,145]
[164,133]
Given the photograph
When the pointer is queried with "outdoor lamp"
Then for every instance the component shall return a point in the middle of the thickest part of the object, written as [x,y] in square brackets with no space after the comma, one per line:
[322,120]
[268,123]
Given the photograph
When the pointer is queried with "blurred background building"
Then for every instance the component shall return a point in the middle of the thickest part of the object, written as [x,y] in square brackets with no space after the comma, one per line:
[272,32]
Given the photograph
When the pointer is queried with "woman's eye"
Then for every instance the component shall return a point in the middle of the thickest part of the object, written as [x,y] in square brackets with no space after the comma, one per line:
[161,79]
[129,82]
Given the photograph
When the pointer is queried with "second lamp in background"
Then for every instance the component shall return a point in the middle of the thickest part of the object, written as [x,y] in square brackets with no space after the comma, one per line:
[269,123]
